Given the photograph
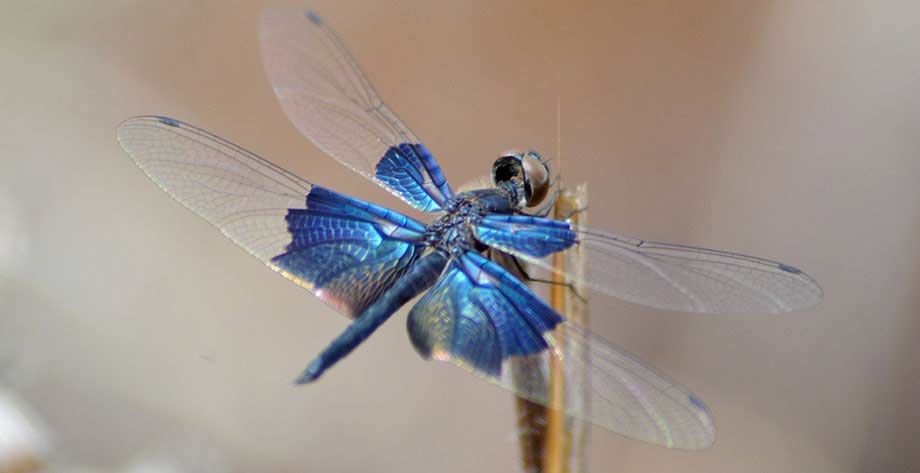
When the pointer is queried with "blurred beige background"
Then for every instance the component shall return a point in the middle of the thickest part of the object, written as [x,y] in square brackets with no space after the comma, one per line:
[785,129]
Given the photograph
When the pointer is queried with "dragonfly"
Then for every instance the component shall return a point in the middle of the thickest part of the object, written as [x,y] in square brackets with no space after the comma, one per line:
[367,261]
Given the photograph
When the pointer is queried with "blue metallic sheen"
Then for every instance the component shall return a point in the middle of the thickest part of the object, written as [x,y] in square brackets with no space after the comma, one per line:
[532,236]
[324,200]
[420,277]
[411,170]
[366,260]
[350,251]
[478,314]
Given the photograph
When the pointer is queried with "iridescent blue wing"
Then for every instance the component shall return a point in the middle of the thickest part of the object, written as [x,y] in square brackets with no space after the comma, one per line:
[347,251]
[344,250]
[533,236]
[324,93]
[477,314]
[661,275]
[479,317]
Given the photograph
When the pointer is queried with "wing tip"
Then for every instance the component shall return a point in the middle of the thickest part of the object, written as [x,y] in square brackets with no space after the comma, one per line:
[167,121]
[706,424]
[816,295]
[286,16]
[697,402]
[123,130]
[148,118]
[314,17]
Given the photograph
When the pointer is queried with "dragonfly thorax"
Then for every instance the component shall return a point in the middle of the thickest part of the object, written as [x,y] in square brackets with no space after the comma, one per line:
[454,231]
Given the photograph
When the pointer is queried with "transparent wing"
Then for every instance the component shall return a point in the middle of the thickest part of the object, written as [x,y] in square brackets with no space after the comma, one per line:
[617,392]
[338,247]
[243,195]
[329,99]
[480,317]
[684,278]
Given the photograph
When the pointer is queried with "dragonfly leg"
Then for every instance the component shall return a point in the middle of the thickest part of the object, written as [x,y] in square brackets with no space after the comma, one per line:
[420,276]
[528,278]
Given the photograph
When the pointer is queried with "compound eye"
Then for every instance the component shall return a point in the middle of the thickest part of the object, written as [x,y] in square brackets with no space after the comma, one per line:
[506,168]
[536,178]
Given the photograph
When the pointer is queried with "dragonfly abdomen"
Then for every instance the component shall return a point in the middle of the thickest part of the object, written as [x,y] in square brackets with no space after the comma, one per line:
[420,276]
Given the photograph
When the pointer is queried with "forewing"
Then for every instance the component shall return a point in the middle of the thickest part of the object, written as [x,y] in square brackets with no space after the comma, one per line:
[342,249]
[532,236]
[329,99]
[677,277]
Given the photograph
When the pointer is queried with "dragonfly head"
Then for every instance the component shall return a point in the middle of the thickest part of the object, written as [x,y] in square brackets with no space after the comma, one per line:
[527,173]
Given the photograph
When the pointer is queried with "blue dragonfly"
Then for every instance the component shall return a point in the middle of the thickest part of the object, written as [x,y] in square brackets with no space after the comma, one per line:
[367,261]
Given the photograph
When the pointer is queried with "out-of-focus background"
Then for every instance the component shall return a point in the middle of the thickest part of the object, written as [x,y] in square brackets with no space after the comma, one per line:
[785,129]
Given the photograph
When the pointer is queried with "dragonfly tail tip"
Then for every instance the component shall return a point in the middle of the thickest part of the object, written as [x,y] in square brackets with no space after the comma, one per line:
[306,378]
[312,373]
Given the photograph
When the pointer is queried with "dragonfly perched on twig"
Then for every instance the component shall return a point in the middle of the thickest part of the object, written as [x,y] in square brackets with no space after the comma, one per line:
[367,261]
